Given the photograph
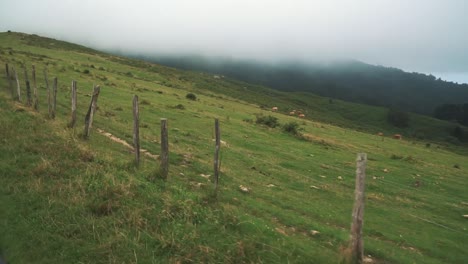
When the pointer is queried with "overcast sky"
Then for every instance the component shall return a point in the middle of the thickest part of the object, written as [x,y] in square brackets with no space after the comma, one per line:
[428,36]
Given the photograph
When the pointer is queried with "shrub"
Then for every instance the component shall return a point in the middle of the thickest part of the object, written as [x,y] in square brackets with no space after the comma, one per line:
[191,96]
[179,106]
[269,120]
[398,118]
[396,157]
[292,128]
[86,71]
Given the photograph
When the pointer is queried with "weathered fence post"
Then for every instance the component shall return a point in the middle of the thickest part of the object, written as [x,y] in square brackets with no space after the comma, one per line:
[18,89]
[216,154]
[91,110]
[356,243]
[73,105]
[28,87]
[9,73]
[164,169]
[54,98]
[7,70]
[136,130]
[35,100]
[49,104]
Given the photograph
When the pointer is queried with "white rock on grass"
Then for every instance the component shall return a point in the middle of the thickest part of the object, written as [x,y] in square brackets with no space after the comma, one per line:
[244,189]
[314,232]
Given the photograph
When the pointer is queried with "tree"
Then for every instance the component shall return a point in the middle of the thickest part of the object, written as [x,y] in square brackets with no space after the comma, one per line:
[398,118]
[447,112]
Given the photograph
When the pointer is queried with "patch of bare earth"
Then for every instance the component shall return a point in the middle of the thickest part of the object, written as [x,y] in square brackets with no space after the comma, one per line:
[125,143]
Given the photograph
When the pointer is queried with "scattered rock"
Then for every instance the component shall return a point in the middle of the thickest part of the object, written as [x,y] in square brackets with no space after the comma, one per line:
[374,178]
[223,143]
[322,176]
[271,185]
[197,184]
[465,216]
[385,170]
[181,174]
[314,232]
[281,231]
[314,187]
[244,189]
[206,176]
[367,259]
[340,178]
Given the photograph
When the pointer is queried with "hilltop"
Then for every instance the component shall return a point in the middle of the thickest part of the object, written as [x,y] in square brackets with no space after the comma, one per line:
[65,199]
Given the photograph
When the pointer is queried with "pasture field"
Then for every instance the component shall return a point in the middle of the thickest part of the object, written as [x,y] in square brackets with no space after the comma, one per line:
[64,199]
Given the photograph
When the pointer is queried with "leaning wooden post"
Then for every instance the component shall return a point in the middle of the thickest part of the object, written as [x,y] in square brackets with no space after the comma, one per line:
[28,87]
[136,130]
[164,169]
[73,105]
[49,97]
[356,243]
[216,154]
[54,98]
[18,89]
[91,110]
[35,95]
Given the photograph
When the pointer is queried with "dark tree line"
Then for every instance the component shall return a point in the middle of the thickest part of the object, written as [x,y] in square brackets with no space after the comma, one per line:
[453,112]
[352,81]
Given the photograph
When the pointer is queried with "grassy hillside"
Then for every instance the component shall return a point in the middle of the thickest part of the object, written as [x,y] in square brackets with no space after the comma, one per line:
[69,200]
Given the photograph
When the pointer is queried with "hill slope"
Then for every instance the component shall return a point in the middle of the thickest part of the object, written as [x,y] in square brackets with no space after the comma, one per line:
[65,199]
[352,81]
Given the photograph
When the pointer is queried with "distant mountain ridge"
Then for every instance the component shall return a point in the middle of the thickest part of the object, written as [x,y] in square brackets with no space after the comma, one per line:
[348,80]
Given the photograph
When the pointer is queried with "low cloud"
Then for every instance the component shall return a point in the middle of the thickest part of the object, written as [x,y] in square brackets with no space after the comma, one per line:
[425,36]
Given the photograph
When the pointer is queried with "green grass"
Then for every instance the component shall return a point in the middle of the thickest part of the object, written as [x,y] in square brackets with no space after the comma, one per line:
[69,200]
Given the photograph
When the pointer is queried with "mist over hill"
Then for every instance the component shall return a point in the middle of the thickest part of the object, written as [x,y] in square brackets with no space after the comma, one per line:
[348,80]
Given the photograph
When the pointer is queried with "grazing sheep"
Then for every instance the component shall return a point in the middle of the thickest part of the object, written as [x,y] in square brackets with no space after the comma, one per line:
[292,113]
[397,136]
[301,115]
[274,108]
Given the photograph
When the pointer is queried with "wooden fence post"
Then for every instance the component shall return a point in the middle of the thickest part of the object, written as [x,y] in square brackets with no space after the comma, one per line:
[28,87]
[73,105]
[136,130]
[35,100]
[164,169]
[216,154]
[10,73]
[18,89]
[356,243]
[49,104]
[54,98]
[7,72]
[91,110]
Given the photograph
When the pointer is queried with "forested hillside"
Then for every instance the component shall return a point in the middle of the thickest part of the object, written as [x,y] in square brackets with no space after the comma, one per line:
[347,80]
